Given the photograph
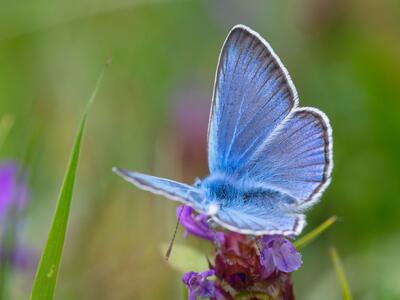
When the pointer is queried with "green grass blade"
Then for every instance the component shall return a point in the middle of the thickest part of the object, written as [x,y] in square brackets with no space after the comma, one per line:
[313,234]
[185,292]
[6,123]
[344,285]
[47,272]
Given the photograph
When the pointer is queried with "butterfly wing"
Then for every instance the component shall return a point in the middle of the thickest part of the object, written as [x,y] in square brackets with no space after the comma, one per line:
[253,94]
[297,158]
[171,189]
[267,212]
[251,220]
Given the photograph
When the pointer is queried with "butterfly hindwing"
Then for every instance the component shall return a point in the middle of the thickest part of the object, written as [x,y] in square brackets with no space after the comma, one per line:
[297,158]
[260,222]
[260,211]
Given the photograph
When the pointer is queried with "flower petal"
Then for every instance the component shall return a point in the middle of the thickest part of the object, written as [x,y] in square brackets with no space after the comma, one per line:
[198,284]
[194,224]
[278,253]
[286,258]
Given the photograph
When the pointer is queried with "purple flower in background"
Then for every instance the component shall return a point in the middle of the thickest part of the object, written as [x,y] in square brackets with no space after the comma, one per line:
[190,117]
[21,258]
[195,224]
[189,120]
[278,254]
[13,190]
[199,285]
[13,199]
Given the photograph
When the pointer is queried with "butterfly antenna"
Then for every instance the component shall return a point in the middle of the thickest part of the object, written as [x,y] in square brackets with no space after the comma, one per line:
[171,243]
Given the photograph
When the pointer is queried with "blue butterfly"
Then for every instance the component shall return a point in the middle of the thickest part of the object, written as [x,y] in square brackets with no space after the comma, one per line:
[269,159]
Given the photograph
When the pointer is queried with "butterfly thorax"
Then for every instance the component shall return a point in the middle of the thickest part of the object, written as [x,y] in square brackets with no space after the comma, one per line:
[219,188]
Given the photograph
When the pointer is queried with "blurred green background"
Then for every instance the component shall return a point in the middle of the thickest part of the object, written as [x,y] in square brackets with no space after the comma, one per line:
[151,116]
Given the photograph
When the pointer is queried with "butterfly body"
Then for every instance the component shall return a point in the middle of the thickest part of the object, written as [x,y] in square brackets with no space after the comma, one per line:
[269,159]
[222,192]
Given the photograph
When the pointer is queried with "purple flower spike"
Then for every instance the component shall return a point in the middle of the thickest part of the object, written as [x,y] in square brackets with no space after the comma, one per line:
[12,192]
[21,258]
[198,284]
[194,224]
[13,199]
[278,254]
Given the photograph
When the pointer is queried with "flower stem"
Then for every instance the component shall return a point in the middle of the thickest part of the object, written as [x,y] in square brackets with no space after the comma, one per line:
[344,285]
[313,234]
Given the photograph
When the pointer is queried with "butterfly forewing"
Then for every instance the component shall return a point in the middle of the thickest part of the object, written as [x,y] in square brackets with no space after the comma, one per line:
[171,189]
[252,95]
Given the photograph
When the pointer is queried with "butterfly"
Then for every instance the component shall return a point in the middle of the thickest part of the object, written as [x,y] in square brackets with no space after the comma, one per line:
[269,159]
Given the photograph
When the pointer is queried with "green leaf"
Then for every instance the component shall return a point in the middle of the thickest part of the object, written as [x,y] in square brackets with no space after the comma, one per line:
[344,285]
[313,234]
[185,259]
[47,272]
